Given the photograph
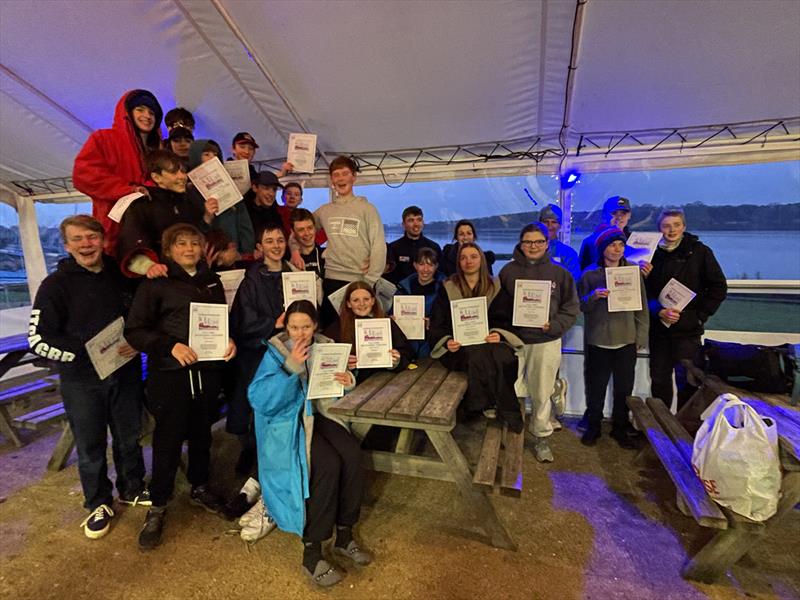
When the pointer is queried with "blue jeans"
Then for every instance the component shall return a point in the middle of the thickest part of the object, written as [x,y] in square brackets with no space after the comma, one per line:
[92,407]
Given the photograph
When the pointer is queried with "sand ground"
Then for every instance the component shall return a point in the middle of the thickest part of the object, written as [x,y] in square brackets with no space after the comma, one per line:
[594,524]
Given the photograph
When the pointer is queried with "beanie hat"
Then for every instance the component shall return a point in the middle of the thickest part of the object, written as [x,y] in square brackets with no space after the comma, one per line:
[551,211]
[196,152]
[606,237]
[144,98]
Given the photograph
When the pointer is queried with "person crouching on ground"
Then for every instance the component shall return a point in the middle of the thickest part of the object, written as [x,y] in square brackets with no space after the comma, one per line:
[309,463]
[181,393]
[612,339]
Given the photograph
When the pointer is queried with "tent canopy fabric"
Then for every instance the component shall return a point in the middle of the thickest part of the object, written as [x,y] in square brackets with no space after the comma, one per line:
[376,76]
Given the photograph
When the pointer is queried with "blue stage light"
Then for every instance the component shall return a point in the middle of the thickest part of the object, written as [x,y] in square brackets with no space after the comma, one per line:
[570,178]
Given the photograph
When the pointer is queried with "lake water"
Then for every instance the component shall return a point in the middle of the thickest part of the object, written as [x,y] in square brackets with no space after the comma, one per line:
[742,254]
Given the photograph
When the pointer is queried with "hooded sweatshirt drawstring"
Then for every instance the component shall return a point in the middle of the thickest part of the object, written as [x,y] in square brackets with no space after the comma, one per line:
[199,383]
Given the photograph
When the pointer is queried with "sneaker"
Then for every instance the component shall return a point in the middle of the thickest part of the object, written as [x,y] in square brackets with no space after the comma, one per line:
[559,397]
[243,501]
[590,436]
[556,424]
[150,535]
[324,574]
[98,523]
[256,523]
[354,553]
[541,449]
[203,497]
[140,499]
[490,413]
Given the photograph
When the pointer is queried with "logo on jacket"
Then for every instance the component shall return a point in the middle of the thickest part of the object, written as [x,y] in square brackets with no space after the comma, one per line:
[344,226]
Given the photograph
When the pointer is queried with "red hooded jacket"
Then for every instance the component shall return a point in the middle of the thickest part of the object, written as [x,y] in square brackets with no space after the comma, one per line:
[111,164]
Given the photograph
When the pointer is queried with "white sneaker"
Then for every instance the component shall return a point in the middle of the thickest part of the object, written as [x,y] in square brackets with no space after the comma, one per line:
[256,523]
[559,397]
[98,523]
[541,449]
[251,489]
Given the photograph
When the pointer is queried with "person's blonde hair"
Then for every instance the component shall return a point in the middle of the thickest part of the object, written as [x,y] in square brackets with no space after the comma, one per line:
[84,221]
[671,212]
[172,232]
[485,283]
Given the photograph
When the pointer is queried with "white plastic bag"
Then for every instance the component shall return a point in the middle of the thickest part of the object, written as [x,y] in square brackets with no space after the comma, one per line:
[736,456]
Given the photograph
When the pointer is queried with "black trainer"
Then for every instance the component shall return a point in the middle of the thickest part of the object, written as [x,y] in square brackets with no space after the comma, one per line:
[150,535]
[590,436]
[203,497]
[98,523]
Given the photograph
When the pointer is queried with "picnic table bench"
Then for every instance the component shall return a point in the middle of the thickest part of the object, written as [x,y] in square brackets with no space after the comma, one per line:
[425,399]
[673,445]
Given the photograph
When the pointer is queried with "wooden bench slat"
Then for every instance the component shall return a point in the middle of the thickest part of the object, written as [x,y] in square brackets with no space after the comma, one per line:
[40,417]
[349,404]
[511,468]
[703,508]
[14,343]
[28,388]
[683,441]
[415,399]
[486,470]
[441,408]
[381,402]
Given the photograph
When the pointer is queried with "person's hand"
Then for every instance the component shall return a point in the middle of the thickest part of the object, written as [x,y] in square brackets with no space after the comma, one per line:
[297,260]
[600,293]
[300,352]
[280,321]
[546,326]
[127,350]
[230,352]
[453,346]
[343,378]
[645,267]
[212,207]
[157,270]
[286,168]
[395,355]
[184,354]
[211,255]
[493,338]
[669,315]
[352,360]
[365,267]
[141,190]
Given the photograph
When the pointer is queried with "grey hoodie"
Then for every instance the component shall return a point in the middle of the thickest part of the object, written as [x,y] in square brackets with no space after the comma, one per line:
[564,306]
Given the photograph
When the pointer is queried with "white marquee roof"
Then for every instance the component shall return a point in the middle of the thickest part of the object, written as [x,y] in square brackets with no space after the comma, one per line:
[376,76]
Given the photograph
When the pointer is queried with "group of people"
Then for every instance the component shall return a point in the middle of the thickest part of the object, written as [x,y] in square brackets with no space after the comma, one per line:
[166,253]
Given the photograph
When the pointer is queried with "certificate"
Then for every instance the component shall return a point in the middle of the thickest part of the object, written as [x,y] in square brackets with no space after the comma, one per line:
[531,302]
[208,330]
[470,321]
[624,289]
[326,361]
[103,349]
[213,181]
[675,295]
[337,297]
[231,280]
[409,314]
[299,285]
[641,246]
[121,205]
[373,343]
[239,170]
[302,152]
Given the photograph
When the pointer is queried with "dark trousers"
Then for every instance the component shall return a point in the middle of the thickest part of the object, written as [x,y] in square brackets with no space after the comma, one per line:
[337,480]
[92,408]
[240,414]
[181,415]
[665,355]
[600,365]
[327,313]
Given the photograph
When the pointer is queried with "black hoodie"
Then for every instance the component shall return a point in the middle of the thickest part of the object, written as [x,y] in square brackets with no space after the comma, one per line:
[73,305]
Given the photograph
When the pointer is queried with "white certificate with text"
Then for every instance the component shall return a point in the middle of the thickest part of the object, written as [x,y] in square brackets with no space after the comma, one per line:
[302,152]
[326,361]
[337,297]
[531,302]
[373,343]
[675,295]
[299,285]
[231,280]
[103,348]
[409,314]
[624,289]
[208,330]
[641,246]
[121,205]
[470,321]
[239,170]
[212,180]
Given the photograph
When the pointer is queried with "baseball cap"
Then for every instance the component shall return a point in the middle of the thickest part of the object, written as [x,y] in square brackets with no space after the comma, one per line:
[266,178]
[616,203]
[245,138]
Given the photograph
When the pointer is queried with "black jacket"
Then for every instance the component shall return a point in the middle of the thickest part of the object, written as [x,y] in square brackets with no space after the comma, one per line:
[72,305]
[693,264]
[256,307]
[147,218]
[402,253]
[159,317]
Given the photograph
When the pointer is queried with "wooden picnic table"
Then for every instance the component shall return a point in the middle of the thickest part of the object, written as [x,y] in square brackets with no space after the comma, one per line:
[422,399]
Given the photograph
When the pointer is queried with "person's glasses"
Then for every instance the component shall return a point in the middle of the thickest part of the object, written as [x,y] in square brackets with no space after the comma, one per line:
[530,243]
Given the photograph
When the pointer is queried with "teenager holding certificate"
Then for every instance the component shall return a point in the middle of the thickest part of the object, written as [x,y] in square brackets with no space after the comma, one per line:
[181,392]
[491,367]
[542,353]
[675,334]
[309,463]
[611,340]
[360,303]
